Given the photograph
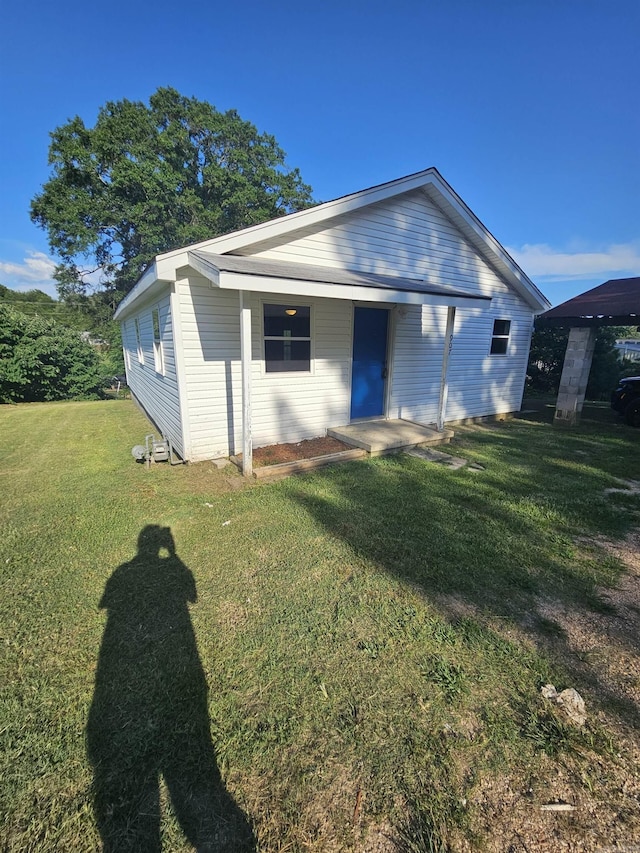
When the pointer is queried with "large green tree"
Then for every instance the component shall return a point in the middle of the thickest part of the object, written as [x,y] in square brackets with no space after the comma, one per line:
[150,178]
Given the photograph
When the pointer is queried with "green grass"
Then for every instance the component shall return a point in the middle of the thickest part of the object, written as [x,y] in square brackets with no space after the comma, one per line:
[365,651]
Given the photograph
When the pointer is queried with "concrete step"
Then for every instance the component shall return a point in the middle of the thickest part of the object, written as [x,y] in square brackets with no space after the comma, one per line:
[388,436]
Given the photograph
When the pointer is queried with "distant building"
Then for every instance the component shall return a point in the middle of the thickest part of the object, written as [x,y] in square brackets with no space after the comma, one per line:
[629,349]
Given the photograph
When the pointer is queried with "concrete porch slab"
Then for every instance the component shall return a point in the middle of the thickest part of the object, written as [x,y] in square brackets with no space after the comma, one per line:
[386,436]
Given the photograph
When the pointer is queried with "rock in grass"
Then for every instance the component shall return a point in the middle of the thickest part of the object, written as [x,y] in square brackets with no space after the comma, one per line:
[569,701]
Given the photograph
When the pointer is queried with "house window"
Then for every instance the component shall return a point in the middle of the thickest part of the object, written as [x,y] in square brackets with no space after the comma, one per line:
[287,338]
[139,342]
[500,337]
[158,355]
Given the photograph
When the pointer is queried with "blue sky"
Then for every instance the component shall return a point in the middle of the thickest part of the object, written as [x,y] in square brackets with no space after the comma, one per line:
[528,108]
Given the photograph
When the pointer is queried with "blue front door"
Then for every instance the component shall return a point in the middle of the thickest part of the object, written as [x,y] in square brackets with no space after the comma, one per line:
[369,368]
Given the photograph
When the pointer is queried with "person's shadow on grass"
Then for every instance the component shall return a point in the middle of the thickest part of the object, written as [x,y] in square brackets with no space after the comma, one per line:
[149,716]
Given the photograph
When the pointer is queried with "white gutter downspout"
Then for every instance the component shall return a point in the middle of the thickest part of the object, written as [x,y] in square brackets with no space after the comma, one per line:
[444,385]
[245,360]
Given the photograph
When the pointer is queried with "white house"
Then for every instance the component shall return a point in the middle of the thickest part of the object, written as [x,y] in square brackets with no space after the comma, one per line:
[394,302]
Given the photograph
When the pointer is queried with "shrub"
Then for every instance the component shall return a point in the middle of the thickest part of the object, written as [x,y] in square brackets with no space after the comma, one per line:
[42,360]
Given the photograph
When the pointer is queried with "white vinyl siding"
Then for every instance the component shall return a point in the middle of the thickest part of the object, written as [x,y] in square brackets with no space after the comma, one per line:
[479,384]
[417,363]
[408,236]
[482,384]
[210,330]
[285,407]
[156,393]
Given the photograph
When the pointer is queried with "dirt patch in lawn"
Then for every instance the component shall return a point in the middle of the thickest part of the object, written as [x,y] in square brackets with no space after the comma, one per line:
[606,642]
[275,454]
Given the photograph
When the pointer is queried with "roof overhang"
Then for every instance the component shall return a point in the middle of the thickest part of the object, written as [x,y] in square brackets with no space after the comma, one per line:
[258,275]
[156,277]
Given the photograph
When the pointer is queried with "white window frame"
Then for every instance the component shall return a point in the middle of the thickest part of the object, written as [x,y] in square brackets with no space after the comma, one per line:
[265,338]
[496,338]
[136,325]
[158,351]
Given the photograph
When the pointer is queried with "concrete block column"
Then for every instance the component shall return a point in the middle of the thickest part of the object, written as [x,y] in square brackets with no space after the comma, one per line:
[575,375]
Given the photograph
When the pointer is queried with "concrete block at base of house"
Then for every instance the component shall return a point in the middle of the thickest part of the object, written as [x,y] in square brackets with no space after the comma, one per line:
[221,462]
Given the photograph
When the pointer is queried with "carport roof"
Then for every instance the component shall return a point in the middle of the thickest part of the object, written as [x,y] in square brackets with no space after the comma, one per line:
[614,303]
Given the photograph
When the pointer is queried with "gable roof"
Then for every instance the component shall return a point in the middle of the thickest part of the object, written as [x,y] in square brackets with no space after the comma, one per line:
[440,193]
[614,303]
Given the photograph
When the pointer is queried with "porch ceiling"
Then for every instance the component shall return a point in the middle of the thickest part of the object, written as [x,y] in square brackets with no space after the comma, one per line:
[262,275]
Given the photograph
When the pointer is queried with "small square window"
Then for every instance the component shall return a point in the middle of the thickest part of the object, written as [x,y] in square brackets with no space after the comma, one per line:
[500,337]
[287,338]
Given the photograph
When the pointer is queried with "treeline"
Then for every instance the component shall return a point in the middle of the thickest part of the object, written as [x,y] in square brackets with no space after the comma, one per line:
[33,302]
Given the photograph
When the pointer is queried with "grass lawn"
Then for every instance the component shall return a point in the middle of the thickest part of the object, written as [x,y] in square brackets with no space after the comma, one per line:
[349,660]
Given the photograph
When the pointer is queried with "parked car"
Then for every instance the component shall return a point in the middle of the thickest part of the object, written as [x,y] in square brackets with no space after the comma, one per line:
[626,399]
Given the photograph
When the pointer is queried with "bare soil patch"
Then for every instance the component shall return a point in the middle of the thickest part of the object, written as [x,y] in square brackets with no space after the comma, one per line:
[275,454]
[607,641]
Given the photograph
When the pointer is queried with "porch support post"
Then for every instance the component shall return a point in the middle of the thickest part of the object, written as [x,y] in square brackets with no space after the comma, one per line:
[245,360]
[444,386]
[575,375]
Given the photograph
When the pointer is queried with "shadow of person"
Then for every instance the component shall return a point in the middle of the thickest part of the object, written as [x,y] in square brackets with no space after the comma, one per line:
[149,714]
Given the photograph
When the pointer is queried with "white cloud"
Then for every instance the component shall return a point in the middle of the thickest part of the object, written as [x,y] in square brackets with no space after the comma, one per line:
[34,272]
[543,261]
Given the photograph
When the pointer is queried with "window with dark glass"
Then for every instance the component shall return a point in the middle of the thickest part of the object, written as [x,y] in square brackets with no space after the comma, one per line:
[500,337]
[287,338]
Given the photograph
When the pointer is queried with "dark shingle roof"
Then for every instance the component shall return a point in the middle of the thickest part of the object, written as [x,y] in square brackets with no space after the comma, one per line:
[614,303]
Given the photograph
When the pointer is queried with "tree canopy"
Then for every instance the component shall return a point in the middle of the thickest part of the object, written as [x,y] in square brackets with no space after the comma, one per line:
[148,179]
